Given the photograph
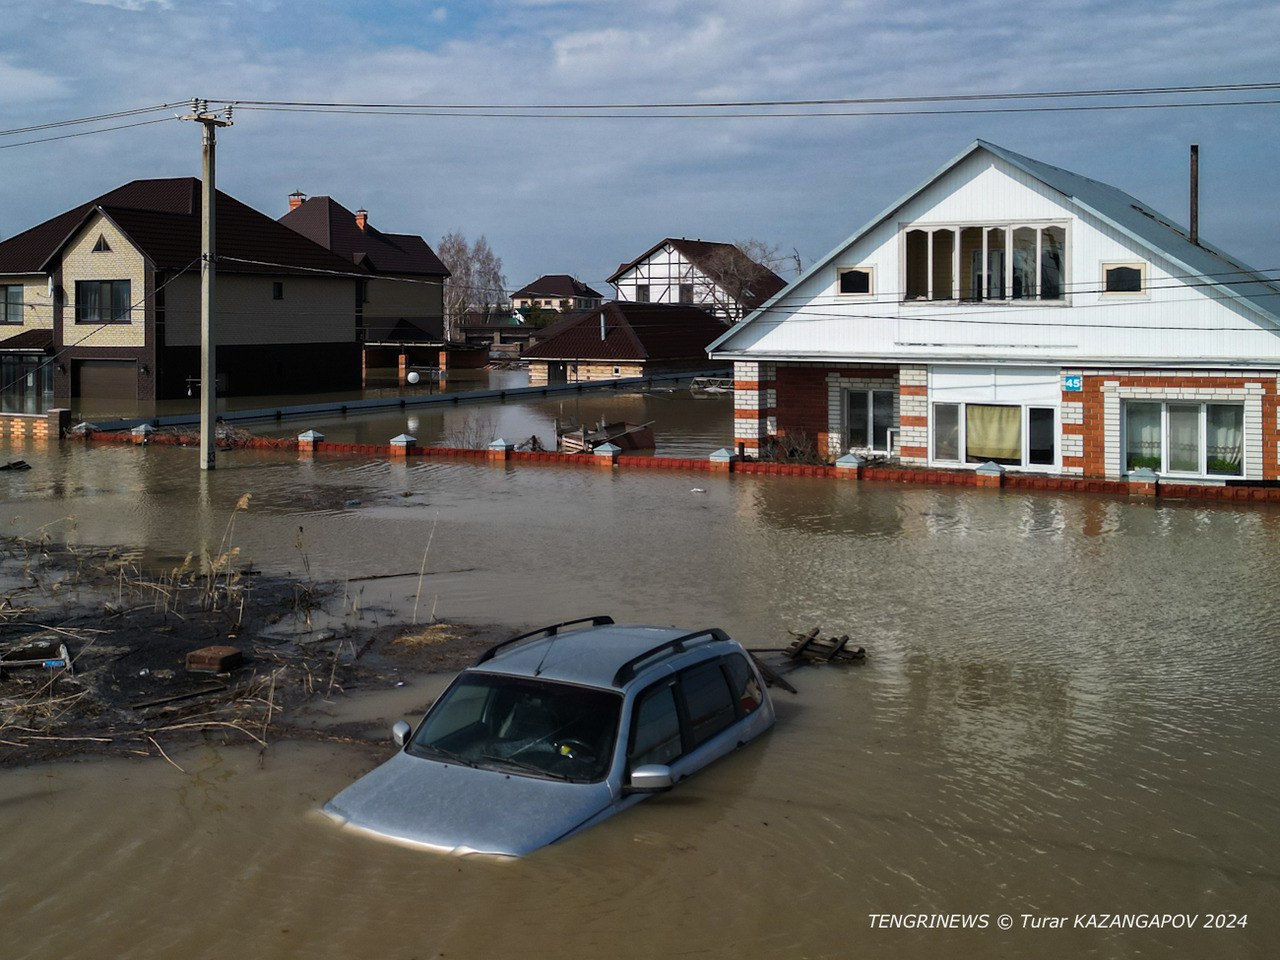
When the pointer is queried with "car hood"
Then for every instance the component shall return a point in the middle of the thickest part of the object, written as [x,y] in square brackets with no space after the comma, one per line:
[464,810]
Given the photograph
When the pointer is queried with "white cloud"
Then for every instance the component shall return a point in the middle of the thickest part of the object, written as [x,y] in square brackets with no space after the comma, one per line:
[22,84]
[132,5]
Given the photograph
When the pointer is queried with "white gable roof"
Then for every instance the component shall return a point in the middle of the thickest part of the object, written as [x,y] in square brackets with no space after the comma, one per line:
[1202,267]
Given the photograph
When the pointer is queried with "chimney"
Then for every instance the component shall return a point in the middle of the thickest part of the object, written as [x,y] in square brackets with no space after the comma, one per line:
[603,333]
[362,217]
[1195,193]
[297,199]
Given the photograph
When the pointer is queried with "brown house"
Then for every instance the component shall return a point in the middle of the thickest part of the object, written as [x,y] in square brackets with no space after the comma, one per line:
[622,339]
[557,291]
[402,301]
[103,301]
[717,276]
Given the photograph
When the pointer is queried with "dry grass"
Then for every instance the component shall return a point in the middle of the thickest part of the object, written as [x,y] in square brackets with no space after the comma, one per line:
[431,636]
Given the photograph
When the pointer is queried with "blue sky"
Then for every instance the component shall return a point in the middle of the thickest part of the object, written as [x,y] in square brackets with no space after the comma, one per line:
[579,196]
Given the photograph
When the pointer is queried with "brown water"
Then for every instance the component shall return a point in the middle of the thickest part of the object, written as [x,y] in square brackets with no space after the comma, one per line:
[1069,708]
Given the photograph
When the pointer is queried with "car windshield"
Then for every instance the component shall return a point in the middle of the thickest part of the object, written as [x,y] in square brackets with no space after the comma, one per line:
[522,725]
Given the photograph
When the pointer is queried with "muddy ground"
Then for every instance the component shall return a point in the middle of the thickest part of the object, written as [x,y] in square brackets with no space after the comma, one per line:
[128,631]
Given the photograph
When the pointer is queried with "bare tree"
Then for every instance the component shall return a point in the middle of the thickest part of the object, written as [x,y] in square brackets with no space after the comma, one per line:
[476,282]
[744,275]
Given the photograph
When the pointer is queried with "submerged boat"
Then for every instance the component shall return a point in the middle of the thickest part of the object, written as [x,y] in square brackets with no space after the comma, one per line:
[625,436]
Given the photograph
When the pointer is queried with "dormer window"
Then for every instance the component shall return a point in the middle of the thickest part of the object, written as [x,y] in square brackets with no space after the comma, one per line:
[989,262]
[102,246]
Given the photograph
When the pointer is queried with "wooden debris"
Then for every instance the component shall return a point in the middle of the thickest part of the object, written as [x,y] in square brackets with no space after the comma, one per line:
[813,648]
[216,659]
[772,677]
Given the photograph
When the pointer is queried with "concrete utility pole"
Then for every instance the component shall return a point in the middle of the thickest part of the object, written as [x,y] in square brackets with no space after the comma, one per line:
[208,272]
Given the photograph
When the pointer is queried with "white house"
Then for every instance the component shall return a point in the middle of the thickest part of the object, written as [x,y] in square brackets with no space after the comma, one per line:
[1012,311]
[719,277]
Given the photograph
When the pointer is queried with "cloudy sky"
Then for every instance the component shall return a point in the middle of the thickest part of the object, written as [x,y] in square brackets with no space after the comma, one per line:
[580,195]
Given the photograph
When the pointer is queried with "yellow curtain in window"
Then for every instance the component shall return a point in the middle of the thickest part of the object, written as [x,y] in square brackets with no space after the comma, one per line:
[993,432]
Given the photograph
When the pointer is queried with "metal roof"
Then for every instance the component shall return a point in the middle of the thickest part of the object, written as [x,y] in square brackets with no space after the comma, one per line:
[1146,227]
[590,656]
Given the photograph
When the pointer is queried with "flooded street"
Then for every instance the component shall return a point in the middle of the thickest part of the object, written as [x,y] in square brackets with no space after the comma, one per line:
[1068,708]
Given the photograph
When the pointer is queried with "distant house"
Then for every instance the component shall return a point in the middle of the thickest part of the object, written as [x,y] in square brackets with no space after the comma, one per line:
[718,276]
[556,291]
[622,339]
[103,301]
[1010,311]
[401,304]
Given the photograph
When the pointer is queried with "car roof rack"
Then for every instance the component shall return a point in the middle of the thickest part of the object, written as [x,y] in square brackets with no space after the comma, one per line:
[551,631]
[676,645]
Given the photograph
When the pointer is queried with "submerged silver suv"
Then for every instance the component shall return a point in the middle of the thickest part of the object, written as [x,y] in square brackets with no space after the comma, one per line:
[552,731]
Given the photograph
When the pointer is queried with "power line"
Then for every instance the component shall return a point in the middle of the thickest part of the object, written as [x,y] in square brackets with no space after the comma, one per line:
[506,113]
[94,119]
[834,101]
[86,133]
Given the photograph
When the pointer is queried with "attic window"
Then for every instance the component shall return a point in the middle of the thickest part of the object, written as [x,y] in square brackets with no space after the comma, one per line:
[277,290]
[102,246]
[855,281]
[1124,278]
[987,262]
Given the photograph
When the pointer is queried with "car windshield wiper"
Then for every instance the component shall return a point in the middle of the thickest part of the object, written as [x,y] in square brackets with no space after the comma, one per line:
[525,765]
[448,755]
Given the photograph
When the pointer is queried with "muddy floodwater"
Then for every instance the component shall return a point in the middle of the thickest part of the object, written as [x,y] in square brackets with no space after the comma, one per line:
[1069,709]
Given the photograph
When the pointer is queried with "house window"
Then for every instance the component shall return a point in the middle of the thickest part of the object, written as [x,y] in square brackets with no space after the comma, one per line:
[686,293]
[870,418]
[277,289]
[854,282]
[1124,278]
[103,301]
[979,263]
[11,303]
[1015,435]
[102,246]
[642,293]
[1203,439]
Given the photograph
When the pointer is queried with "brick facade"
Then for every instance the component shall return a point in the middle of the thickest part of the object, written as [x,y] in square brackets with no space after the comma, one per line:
[799,400]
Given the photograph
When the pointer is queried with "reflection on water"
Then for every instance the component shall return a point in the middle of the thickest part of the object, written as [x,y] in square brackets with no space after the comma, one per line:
[1068,707]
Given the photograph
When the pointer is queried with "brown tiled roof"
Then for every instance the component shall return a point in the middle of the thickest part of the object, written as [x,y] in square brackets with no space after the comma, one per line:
[557,285]
[633,331]
[28,340]
[162,218]
[332,225]
[764,283]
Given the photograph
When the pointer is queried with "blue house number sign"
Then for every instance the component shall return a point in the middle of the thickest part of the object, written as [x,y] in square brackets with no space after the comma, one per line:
[1073,384]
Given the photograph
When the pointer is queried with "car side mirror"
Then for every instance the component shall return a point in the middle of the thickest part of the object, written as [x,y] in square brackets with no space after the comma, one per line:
[650,778]
[400,733]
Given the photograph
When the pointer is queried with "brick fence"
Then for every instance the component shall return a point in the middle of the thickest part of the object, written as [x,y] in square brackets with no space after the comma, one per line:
[39,426]
[725,463]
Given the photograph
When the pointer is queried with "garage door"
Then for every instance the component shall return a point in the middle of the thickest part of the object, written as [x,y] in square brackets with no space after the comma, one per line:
[105,379]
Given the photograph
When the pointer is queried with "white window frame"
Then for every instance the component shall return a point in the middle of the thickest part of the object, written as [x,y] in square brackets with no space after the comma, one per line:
[870,271]
[1163,470]
[1026,465]
[869,393]
[1138,265]
[1009,227]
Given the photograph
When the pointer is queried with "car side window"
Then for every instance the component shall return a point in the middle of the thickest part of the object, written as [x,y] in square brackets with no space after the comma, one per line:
[655,731]
[708,701]
[743,682]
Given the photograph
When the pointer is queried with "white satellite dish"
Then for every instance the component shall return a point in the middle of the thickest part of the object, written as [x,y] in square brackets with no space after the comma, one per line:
[413,376]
